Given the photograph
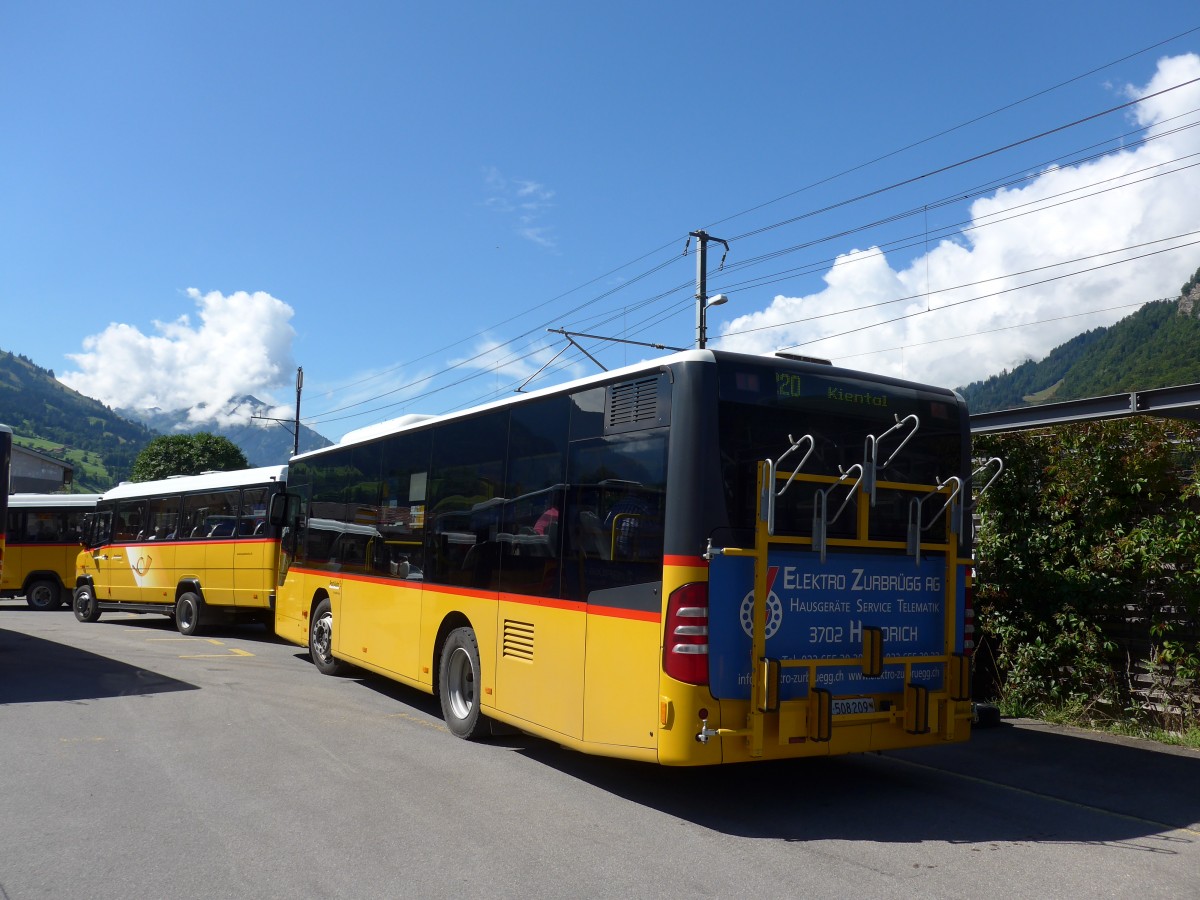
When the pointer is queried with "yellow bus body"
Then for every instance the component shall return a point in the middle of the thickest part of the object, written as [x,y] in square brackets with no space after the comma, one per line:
[633,650]
[43,538]
[611,699]
[226,564]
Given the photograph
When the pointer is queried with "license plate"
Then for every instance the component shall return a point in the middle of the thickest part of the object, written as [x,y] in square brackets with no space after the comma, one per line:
[853,705]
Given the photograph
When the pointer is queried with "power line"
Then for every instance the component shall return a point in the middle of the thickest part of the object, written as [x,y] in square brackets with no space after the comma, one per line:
[958,127]
[324,417]
[960,337]
[963,162]
[1022,287]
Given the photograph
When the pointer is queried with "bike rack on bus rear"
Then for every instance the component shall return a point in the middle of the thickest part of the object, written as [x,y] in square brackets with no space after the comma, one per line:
[812,718]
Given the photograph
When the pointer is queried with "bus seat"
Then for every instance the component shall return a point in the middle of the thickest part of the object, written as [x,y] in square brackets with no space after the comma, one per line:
[592,535]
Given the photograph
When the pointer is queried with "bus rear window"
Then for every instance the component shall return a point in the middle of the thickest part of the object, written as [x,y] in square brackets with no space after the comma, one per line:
[763,409]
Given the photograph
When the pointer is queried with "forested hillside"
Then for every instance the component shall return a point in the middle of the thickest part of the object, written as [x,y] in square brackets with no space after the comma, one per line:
[1157,346]
[102,443]
[52,418]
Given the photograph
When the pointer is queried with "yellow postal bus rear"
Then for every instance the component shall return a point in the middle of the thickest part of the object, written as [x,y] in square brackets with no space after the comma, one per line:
[704,559]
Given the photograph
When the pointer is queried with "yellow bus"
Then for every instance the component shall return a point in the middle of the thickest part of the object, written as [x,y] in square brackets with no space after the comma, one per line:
[44,533]
[5,482]
[198,549]
[708,558]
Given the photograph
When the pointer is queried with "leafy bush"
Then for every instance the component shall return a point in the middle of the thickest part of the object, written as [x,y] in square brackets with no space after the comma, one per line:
[1089,566]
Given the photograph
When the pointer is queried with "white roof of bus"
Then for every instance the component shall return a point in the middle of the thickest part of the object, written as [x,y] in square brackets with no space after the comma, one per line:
[368,432]
[72,501]
[188,483]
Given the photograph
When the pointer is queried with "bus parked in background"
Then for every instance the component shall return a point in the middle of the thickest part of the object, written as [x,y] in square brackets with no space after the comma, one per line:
[196,548]
[5,480]
[703,559]
[43,537]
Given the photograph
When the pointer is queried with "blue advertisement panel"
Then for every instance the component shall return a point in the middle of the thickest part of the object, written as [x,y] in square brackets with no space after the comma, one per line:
[817,610]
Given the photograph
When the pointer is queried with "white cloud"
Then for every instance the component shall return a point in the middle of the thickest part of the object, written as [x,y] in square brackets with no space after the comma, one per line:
[524,202]
[1147,209]
[242,345]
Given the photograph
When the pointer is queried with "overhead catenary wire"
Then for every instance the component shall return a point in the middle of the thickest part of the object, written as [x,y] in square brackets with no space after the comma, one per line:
[997,330]
[955,303]
[326,416]
[847,171]
[981,297]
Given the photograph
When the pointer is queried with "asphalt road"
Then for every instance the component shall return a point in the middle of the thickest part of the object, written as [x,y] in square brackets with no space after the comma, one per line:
[139,764]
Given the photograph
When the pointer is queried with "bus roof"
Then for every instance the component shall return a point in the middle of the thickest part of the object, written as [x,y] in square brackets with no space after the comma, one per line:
[61,501]
[186,484]
[785,361]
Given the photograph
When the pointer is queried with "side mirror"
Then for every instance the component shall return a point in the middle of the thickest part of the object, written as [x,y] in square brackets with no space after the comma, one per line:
[285,510]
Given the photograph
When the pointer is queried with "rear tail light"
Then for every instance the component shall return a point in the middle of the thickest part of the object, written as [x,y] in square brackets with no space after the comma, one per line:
[685,646]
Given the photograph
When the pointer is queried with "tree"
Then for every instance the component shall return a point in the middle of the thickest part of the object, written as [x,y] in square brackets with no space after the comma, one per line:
[1089,563]
[187,454]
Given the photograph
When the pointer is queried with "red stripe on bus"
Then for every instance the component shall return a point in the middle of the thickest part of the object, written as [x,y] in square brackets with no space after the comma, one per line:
[695,562]
[581,606]
[636,615]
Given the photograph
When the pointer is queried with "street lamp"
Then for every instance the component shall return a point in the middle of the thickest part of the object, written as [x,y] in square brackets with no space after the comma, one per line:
[705,304]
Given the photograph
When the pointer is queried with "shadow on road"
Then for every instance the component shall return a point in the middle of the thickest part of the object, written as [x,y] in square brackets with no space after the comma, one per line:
[1074,787]
[1071,786]
[33,670]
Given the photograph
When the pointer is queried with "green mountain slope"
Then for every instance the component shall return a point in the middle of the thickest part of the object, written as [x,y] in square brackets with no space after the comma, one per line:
[102,443]
[50,417]
[1157,346]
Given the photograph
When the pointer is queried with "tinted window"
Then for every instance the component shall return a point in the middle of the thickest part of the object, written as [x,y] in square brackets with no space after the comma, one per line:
[763,409]
[531,540]
[615,512]
[129,521]
[402,517]
[209,516]
[465,500]
[162,518]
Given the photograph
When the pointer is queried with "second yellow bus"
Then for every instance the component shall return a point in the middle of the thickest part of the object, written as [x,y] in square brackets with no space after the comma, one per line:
[196,548]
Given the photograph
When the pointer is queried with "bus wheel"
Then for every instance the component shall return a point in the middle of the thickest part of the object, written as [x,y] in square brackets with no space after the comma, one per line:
[187,614]
[458,685]
[43,594]
[320,639]
[85,605]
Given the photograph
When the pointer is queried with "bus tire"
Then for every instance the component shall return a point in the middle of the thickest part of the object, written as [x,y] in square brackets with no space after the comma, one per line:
[320,639]
[43,593]
[458,685]
[188,613]
[84,604]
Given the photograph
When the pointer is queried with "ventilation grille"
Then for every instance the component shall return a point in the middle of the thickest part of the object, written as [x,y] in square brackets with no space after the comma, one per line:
[633,401]
[518,640]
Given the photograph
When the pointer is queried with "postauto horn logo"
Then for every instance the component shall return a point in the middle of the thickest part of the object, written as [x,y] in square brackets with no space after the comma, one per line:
[774,608]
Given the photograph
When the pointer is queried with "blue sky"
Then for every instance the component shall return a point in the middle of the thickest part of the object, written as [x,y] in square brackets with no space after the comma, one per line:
[402,198]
